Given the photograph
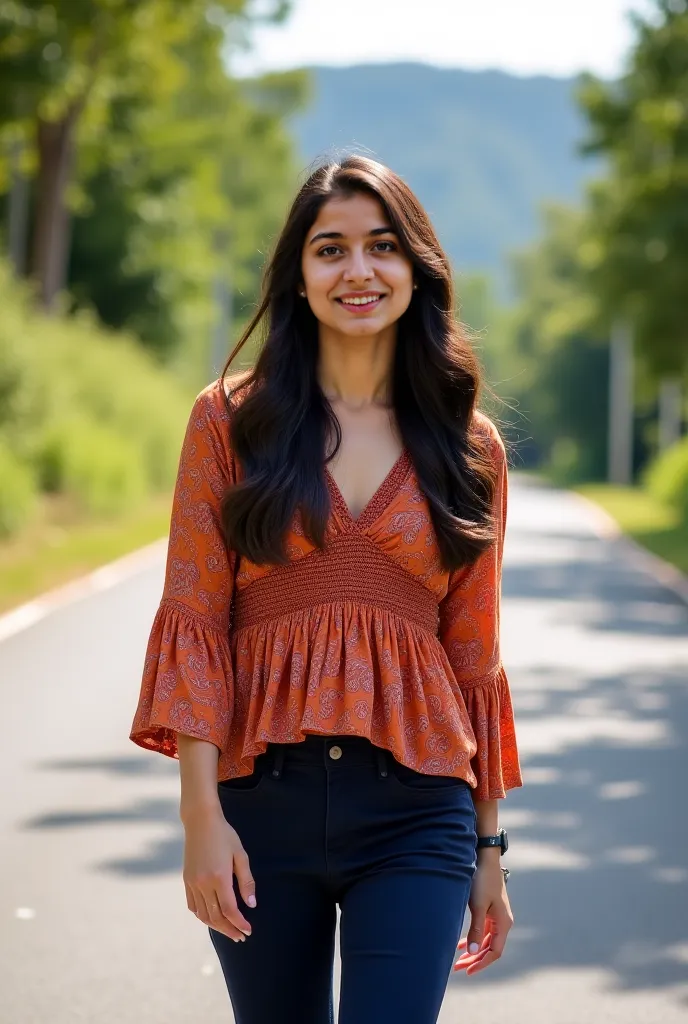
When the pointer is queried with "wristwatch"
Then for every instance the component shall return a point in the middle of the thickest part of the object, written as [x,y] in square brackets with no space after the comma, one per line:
[500,840]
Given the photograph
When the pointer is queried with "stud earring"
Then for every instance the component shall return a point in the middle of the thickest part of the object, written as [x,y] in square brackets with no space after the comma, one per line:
[415,287]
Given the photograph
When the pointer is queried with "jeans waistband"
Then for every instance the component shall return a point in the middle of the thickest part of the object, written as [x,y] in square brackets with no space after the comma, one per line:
[329,752]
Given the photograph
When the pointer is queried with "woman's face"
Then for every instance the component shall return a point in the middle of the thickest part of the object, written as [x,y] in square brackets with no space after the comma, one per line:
[357,279]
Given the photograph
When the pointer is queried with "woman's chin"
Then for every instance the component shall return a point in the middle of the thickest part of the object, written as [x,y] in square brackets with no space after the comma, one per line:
[368,325]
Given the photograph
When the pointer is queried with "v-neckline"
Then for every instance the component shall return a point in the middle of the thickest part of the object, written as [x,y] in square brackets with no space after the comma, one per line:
[378,501]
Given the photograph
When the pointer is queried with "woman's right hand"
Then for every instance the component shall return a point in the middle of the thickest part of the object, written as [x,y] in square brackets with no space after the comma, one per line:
[213,853]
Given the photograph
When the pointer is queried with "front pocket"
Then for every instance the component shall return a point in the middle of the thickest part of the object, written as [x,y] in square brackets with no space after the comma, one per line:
[418,782]
[243,783]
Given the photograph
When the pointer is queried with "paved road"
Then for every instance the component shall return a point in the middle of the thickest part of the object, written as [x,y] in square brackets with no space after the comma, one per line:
[93,922]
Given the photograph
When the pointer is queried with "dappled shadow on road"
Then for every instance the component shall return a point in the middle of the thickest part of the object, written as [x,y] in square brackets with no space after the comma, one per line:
[161,855]
[145,810]
[141,765]
[599,588]
[598,834]
[598,837]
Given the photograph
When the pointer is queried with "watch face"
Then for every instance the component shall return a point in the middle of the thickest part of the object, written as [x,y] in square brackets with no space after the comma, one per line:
[505,840]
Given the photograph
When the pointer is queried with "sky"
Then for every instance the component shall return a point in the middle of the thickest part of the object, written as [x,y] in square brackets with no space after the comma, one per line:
[524,37]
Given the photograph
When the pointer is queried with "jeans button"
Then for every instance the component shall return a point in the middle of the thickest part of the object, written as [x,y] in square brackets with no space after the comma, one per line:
[335,752]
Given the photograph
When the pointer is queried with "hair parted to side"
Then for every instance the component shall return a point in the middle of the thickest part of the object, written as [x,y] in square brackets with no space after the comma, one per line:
[280,427]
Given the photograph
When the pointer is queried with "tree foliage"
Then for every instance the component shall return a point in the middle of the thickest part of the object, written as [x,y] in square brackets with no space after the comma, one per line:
[637,250]
[556,363]
[153,171]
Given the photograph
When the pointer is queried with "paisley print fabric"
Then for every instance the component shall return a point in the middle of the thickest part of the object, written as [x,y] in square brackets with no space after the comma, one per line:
[370,637]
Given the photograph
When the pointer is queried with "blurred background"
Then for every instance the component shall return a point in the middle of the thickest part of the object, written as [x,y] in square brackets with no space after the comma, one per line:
[147,154]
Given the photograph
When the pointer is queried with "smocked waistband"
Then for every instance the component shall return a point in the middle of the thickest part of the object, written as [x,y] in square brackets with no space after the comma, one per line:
[351,569]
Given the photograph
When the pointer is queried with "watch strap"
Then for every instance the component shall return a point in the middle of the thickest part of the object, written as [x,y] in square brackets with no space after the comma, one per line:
[500,840]
[489,841]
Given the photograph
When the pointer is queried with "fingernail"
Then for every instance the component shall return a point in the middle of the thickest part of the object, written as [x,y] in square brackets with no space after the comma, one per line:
[251,901]
[473,948]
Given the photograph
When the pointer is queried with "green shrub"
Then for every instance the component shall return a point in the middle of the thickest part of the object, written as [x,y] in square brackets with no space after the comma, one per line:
[102,470]
[666,478]
[20,380]
[87,409]
[564,464]
[17,493]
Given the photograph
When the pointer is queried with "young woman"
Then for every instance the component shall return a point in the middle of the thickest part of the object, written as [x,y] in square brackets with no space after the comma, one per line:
[325,659]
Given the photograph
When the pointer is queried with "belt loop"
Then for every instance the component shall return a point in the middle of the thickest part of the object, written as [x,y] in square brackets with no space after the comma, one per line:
[381,756]
[278,760]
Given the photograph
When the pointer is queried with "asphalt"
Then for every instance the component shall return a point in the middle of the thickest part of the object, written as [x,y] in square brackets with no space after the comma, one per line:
[93,920]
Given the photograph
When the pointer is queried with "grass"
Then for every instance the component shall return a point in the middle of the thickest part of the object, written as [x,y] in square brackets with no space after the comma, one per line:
[659,528]
[59,546]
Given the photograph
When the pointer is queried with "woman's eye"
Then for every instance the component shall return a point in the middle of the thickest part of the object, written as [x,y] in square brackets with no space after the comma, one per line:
[391,245]
[329,250]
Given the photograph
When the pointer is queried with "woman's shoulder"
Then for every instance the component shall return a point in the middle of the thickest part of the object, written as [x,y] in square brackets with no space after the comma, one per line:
[223,390]
[208,439]
[487,429]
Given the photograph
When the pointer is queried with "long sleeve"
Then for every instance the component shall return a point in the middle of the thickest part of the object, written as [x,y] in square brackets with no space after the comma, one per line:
[187,684]
[469,633]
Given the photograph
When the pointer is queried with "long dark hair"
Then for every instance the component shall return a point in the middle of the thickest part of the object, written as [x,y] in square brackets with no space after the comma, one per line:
[281,426]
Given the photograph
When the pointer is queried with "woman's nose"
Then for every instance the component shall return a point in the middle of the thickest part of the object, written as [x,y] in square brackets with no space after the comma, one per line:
[358,267]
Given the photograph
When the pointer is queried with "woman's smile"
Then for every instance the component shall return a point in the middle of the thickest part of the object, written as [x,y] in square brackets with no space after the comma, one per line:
[360,303]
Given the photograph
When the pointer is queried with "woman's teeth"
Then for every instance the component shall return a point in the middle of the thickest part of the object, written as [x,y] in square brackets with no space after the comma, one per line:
[361,302]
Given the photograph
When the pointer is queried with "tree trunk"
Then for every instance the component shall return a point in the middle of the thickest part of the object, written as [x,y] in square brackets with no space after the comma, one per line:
[620,447]
[18,213]
[670,412]
[51,237]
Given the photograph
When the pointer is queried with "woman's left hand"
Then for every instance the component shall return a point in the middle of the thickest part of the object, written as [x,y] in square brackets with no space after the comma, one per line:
[491,918]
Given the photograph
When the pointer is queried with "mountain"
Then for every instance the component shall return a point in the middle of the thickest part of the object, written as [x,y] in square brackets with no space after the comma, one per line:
[481,149]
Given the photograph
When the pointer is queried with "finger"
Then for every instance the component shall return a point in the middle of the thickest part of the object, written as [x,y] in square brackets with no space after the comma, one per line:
[229,910]
[477,930]
[201,908]
[483,945]
[245,880]
[229,905]
[485,961]
[492,953]
[467,959]
[218,920]
[190,901]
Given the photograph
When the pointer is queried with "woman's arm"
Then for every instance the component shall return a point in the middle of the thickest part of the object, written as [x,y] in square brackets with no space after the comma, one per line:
[198,778]
[213,851]
[487,812]
[187,691]
[469,631]
[469,634]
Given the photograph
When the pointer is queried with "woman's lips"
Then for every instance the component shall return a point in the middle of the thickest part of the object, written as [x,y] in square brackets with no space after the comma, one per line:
[361,307]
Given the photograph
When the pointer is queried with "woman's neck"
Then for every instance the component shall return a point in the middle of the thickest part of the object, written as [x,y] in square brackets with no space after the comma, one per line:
[356,372]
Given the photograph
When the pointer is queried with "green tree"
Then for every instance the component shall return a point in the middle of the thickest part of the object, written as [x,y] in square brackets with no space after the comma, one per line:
[189,196]
[637,249]
[63,69]
[554,363]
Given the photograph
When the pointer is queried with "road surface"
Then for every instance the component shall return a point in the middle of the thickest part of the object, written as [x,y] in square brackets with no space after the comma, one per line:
[93,920]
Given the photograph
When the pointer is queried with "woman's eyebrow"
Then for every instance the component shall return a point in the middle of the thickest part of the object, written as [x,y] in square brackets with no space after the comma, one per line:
[338,234]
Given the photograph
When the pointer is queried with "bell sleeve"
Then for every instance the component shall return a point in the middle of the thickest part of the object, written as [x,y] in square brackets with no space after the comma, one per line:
[469,634]
[187,685]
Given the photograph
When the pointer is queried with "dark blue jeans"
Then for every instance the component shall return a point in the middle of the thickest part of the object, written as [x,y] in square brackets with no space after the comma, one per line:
[336,820]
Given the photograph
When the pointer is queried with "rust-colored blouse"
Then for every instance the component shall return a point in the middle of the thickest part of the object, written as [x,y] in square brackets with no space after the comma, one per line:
[370,636]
